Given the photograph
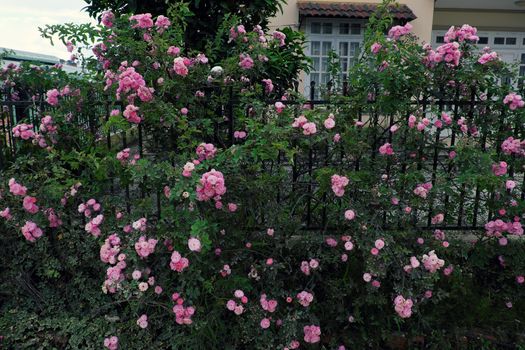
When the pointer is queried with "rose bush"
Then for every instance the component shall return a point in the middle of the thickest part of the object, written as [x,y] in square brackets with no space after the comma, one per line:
[173,201]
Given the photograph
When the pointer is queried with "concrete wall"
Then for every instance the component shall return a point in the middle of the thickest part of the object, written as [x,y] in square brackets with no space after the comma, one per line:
[482,19]
[423,9]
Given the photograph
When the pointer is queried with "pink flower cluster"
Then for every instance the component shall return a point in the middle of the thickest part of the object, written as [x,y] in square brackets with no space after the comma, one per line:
[498,227]
[17,189]
[107,19]
[29,204]
[93,225]
[499,169]
[142,20]
[239,134]
[178,263]
[312,334]
[52,97]
[422,190]
[488,57]
[307,266]
[279,36]
[182,314]
[268,85]
[110,249]
[124,156]
[397,32]
[304,298]
[514,101]
[111,343]
[236,32]
[386,149]
[142,321]
[144,247]
[513,146]
[206,151]
[140,225]
[338,184]
[309,128]
[88,208]
[233,306]
[131,114]
[211,186]
[24,131]
[6,214]
[464,33]
[180,66]
[245,61]
[31,231]
[268,305]
[375,48]
[431,262]
[448,53]
[403,306]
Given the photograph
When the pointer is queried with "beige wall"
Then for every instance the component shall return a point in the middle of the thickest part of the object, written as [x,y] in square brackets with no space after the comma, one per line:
[423,9]
[484,20]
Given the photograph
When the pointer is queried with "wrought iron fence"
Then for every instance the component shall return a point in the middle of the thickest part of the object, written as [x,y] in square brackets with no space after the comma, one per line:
[465,207]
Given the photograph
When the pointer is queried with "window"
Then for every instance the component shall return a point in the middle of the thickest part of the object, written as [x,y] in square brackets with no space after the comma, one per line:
[440,39]
[315,28]
[483,40]
[499,40]
[510,41]
[327,28]
[319,53]
[348,52]
[343,36]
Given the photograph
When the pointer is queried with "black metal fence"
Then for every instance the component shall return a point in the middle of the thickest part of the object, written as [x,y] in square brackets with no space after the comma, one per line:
[465,205]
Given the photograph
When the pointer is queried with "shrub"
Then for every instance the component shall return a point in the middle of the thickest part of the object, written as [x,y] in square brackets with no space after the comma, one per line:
[192,204]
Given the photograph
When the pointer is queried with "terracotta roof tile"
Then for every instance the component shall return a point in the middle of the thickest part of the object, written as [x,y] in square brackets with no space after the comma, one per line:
[350,10]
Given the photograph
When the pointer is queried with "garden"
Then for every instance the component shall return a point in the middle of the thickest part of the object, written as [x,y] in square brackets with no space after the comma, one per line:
[182,193]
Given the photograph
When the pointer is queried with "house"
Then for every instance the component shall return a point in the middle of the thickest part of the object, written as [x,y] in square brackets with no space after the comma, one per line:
[18,56]
[339,26]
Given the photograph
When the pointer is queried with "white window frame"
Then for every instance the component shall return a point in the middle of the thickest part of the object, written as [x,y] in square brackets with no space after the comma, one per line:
[337,41]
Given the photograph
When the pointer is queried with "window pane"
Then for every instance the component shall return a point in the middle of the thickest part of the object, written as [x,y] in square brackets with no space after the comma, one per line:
[523,58]
[344,28]
[440,39]
[314,77]
[327,28]
[354,49]
[499,41]
[316,48]
[356,29]
[483,40]
[522,71]
[325,78]
[510,41]
[327,46]
[344,65]
[343,49]
[324,65]
[315,62]
[315,28]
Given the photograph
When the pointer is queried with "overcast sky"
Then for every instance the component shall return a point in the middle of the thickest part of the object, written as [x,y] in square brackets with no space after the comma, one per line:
[20,19]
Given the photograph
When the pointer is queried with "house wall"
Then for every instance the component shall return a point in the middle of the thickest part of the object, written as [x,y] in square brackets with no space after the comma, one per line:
[423,9]
[492,20]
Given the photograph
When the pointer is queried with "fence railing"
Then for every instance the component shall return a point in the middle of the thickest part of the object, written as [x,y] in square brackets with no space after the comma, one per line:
[465,207]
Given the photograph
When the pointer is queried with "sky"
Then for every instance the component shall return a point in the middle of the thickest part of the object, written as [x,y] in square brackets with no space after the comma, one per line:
[20,19]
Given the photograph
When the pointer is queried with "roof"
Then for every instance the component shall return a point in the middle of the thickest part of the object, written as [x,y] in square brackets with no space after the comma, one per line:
[351,10]
[20,55]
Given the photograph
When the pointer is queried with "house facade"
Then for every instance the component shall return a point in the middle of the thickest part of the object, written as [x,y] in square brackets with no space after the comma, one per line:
[339,26]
